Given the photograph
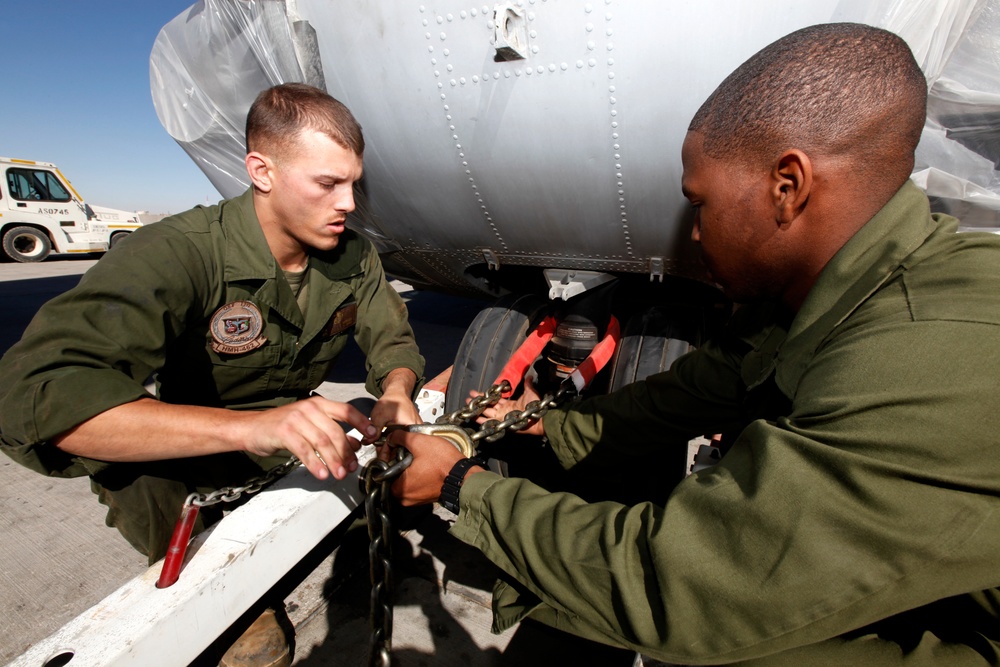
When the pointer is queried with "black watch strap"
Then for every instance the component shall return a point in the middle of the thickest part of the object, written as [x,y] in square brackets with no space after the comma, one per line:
[453,483]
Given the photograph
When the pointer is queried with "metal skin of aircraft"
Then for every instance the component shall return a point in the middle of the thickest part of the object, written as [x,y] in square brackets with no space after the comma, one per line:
[530,150]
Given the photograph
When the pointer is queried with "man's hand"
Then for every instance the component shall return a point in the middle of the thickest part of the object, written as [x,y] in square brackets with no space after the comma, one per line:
[396,405]
[505,405]
[433,459]
[309,430]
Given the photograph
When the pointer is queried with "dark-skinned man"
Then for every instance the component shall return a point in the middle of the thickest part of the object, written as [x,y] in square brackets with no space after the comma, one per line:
[856,518]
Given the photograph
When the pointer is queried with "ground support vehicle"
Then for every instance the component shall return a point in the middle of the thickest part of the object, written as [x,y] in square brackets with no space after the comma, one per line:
[41,214]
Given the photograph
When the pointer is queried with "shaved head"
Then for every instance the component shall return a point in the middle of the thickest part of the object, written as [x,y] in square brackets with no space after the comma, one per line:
[841,90]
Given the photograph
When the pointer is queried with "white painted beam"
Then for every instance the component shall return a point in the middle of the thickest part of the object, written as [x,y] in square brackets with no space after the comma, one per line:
[227,569]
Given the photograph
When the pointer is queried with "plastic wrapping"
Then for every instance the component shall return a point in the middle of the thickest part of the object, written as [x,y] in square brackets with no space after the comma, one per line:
[208,65]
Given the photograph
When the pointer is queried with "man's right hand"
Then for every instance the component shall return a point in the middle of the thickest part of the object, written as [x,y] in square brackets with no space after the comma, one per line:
[505,405]
[309,429]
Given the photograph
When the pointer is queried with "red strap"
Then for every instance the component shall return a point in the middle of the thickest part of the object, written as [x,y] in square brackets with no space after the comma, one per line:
[178,545]
[529,350]
[533,345]
[598,357]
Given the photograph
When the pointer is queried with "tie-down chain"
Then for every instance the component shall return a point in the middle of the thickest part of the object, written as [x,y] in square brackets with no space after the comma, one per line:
[377,478]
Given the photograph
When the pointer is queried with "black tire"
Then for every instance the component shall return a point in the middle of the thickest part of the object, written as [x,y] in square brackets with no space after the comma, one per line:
[652,340]
[493,336]
[491,339]
[26,244]
[115,238]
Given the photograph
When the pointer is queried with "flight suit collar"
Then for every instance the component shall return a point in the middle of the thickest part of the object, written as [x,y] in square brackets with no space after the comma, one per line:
[249,261]
[865,263]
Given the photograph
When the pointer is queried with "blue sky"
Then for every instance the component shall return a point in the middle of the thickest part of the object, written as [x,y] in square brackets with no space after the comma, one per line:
[81,99]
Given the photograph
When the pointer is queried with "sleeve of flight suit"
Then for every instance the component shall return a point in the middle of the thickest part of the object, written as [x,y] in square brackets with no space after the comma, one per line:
[93,347]
[875,495]
[702,394]
[383,332]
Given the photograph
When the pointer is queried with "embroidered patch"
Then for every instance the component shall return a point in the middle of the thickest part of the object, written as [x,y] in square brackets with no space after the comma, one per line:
[236,328]
[343,319]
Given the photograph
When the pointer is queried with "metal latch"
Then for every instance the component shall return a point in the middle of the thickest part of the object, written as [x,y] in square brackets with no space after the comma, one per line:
[510,32]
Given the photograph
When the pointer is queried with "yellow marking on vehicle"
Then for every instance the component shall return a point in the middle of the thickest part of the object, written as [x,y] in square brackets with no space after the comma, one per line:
[68,184]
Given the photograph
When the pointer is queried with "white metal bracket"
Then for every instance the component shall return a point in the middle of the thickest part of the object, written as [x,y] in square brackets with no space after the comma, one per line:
[565,284]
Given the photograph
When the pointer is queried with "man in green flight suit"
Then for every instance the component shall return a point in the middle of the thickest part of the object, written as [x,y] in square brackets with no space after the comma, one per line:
[855,520]
[237,312]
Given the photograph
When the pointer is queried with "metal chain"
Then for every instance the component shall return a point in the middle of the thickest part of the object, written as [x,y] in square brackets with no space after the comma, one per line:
[377,478]
[228,494]
[493,429]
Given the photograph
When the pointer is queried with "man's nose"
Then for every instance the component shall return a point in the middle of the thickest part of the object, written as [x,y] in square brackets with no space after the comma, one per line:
[346,202]
[696,231]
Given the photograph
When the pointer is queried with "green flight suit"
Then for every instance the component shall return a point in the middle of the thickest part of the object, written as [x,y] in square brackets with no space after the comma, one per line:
[146,311]
[856,518]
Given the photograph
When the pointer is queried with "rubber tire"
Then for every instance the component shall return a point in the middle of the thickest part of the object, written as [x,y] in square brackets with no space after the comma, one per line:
[115,238]
[495,333]
[492,337]
[41,248]
[652,340]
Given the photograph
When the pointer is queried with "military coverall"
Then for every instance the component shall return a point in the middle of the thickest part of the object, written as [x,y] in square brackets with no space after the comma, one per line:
[145,312]
[856,518]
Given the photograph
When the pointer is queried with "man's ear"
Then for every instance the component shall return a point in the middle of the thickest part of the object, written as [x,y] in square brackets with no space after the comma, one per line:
[259,169]
[791,184]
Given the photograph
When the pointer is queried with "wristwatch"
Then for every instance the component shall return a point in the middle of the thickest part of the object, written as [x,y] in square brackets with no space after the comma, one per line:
[453,483]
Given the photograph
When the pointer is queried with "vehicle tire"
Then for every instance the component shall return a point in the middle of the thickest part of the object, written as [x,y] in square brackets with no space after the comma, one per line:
[26,244]
[652,340]
[494,335]
[115,238]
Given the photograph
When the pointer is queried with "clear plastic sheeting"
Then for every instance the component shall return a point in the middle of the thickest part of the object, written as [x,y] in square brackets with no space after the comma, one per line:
[208,65]
[958,159]
[957,44]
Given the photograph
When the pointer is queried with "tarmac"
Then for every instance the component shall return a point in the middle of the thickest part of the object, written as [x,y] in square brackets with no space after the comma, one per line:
[59,559]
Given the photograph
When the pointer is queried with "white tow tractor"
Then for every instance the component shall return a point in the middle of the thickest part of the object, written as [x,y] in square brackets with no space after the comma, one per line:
[41,213]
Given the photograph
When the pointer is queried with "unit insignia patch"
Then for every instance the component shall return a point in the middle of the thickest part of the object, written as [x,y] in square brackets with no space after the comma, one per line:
[236,328]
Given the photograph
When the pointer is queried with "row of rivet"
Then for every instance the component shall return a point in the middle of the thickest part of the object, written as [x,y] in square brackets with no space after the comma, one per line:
[528,71]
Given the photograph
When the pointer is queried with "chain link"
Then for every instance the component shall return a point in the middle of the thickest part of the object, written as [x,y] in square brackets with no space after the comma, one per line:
[228,494]
[377,479]
[516,420]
